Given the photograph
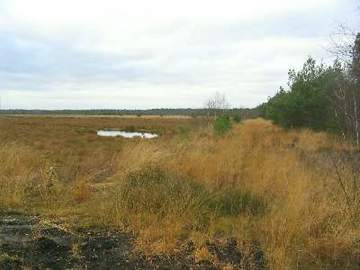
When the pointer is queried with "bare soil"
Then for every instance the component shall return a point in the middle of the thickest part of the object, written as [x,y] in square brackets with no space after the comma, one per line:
[28,243]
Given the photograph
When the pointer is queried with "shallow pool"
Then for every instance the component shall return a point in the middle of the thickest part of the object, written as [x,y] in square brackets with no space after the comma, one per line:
[126,134]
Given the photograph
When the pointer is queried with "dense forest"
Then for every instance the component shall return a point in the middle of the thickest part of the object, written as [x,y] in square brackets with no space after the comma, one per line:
[321,97]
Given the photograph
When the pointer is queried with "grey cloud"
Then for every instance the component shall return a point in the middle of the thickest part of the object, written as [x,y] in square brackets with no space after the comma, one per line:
[244,58]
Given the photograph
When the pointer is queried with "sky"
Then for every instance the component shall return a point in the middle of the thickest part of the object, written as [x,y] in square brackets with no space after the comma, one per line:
[141,54]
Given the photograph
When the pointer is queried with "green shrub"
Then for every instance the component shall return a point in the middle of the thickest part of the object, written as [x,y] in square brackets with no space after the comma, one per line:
[222,124]
[237,118]
[308,101]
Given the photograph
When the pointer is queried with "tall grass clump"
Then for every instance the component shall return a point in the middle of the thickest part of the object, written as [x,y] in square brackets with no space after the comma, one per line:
[233,202]
[163,208]
[17,170]
[153,190]
[29,182]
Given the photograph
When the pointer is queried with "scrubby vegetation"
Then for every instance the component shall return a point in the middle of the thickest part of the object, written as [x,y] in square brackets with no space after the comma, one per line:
[307,103]
[321,97]
[222,124]
[292,194]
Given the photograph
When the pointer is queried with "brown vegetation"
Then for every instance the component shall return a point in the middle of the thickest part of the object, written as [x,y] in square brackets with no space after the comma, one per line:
[295,193]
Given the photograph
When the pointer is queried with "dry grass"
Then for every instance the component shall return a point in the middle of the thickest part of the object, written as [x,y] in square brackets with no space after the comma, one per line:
[296,193]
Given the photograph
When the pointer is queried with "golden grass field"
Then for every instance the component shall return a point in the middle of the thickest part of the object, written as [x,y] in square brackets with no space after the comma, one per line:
[295,193]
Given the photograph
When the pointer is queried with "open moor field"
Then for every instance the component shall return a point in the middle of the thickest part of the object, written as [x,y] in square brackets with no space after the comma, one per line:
[293,196]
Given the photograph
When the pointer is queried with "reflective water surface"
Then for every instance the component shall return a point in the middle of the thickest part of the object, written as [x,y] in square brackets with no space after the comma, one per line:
[126,134]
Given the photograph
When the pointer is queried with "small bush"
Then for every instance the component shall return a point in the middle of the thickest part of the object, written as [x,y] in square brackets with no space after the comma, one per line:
[237,118]
[222,124]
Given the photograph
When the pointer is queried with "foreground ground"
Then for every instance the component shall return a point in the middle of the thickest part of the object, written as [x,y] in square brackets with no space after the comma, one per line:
[257,198]
[29,242]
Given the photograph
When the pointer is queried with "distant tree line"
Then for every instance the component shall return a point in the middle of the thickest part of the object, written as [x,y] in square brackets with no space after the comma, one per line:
[321,97]
[201,112]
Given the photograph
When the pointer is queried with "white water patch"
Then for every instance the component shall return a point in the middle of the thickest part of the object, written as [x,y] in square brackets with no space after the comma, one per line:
[126,134]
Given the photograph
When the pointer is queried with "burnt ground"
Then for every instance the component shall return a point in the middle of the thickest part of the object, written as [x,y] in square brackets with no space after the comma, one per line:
[28,243]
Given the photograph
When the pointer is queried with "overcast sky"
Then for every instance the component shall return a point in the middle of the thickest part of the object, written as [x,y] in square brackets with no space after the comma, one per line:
[83,54]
